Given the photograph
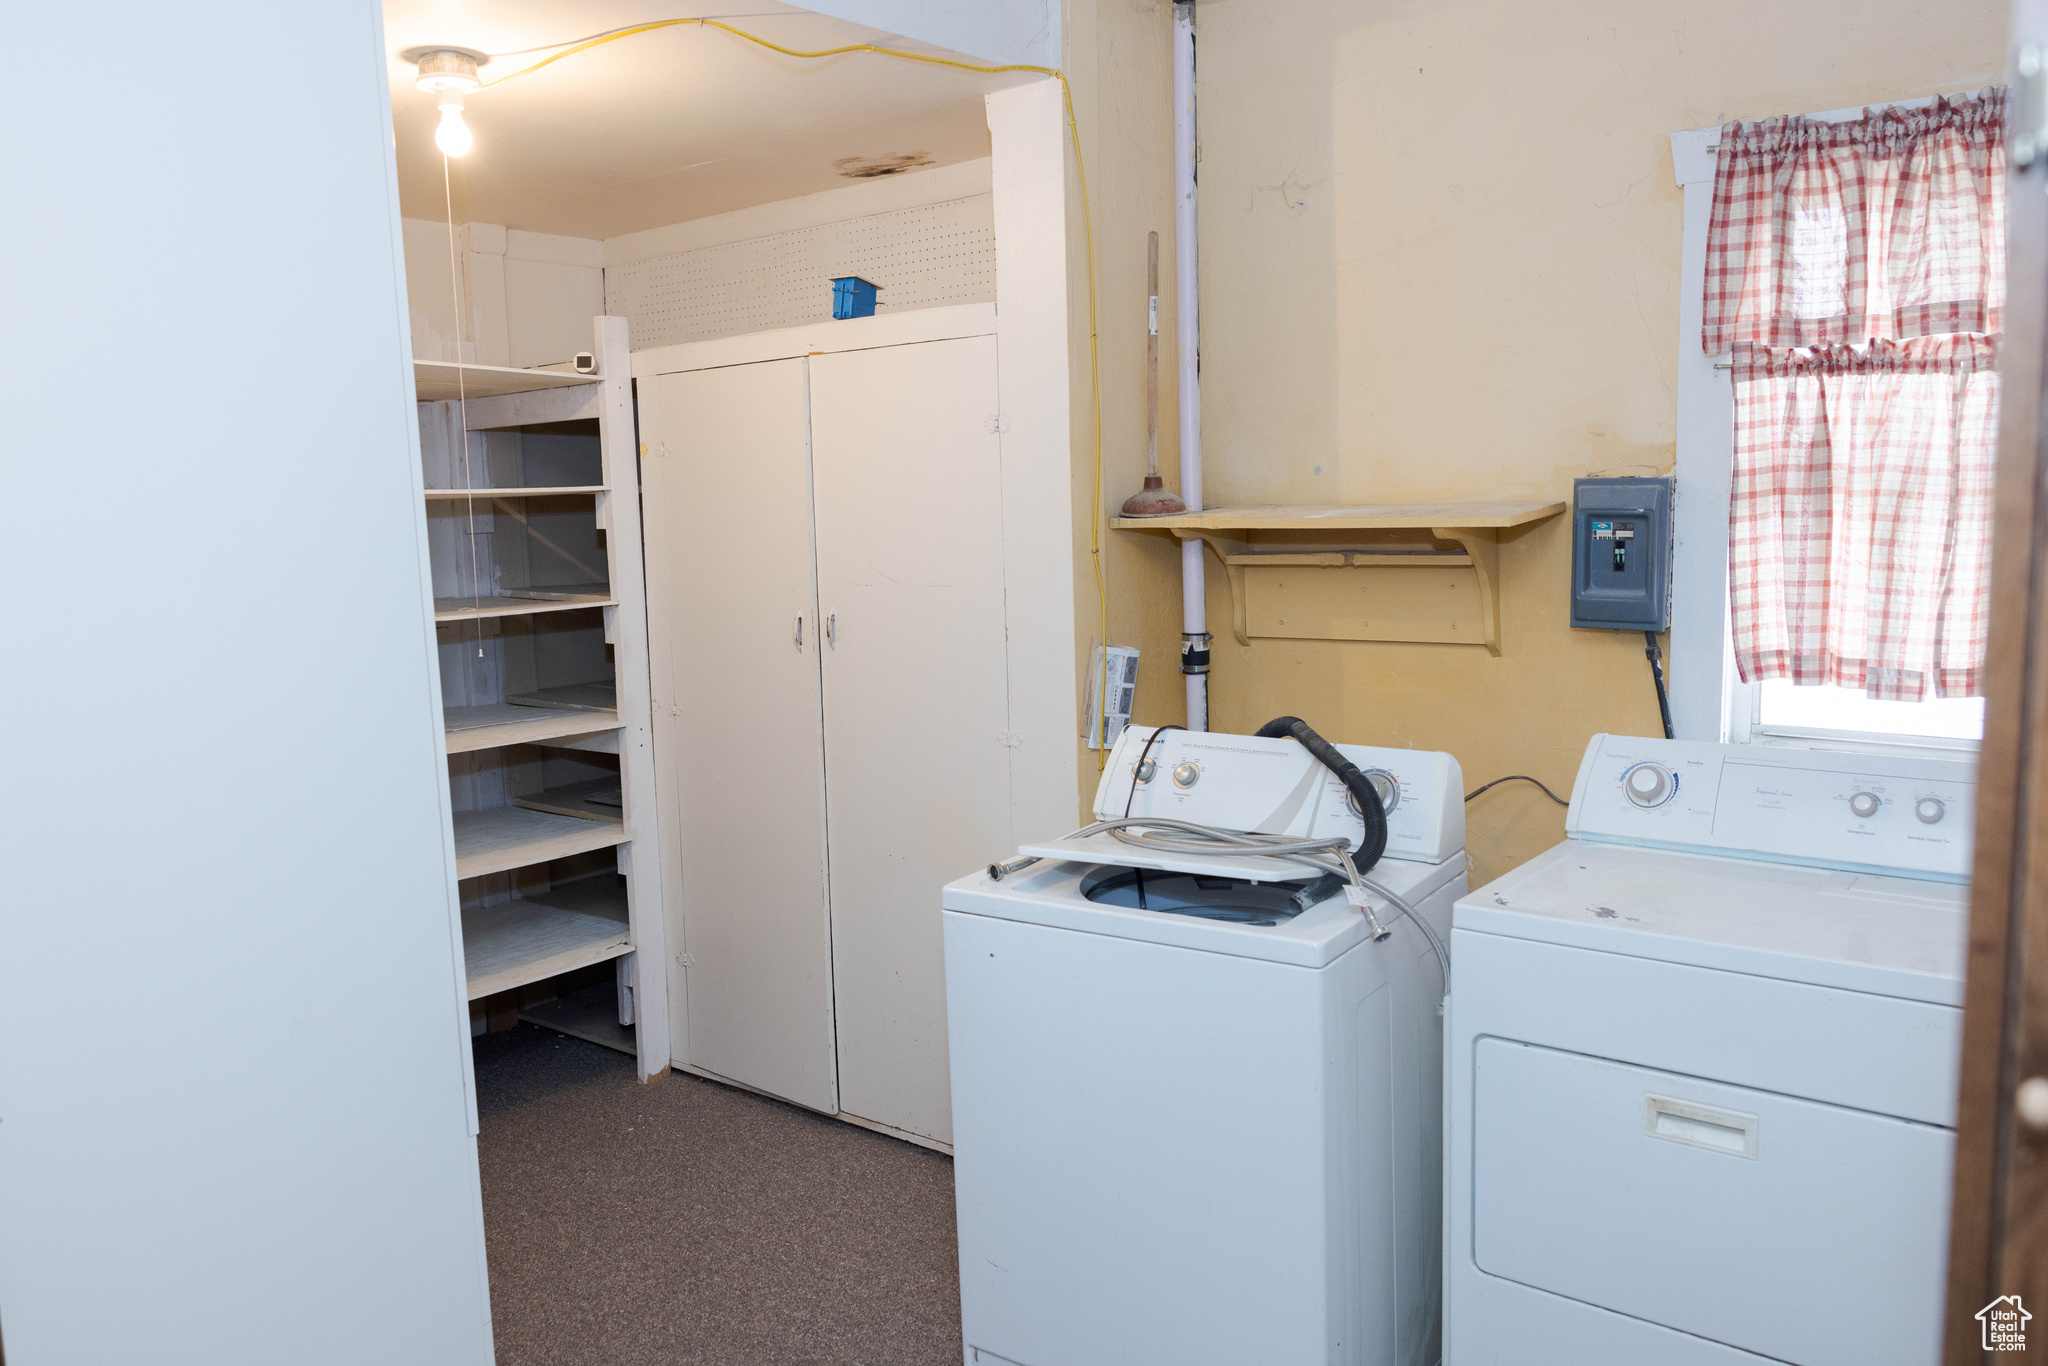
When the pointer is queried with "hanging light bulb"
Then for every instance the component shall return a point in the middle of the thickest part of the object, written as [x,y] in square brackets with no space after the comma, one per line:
[453,136]
[445,73]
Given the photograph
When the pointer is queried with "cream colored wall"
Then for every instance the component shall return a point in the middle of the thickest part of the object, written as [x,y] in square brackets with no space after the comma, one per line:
[1117,58]
[1440,259]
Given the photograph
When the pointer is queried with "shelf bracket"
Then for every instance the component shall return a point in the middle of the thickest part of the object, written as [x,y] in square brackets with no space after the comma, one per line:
[1226,550]
[1483,545]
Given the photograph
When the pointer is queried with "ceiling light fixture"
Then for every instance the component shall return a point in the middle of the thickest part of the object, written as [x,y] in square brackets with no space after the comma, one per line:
[445,73]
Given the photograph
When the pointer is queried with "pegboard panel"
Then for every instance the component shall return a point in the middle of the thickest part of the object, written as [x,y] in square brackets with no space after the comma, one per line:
[924,257]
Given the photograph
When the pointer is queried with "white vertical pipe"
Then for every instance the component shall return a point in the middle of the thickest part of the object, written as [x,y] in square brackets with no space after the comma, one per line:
[1193,593]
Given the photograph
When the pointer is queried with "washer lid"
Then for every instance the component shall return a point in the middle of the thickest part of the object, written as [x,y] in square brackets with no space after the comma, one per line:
[1891,936]
[1051,894]
[1106,849]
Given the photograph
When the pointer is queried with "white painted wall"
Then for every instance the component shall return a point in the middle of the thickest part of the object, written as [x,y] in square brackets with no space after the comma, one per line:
[527,297]
[1041,464]
[994,30]
[233,1054]
[860,199]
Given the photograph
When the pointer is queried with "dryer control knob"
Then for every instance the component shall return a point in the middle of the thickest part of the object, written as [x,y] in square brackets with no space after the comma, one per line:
[1865,805]
[1930,810]
[1649,785]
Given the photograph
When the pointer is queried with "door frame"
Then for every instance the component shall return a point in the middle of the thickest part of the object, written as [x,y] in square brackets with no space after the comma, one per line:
[1999,1219]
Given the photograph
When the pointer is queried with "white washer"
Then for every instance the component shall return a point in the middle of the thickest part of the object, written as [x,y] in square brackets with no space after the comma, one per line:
[1703,1064]
[1185,1140]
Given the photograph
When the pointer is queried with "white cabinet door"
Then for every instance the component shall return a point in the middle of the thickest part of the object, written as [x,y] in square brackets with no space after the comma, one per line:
[732,614]
[910,577]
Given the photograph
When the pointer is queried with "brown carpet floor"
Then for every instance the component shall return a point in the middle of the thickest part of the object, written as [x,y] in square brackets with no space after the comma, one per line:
[686,1222]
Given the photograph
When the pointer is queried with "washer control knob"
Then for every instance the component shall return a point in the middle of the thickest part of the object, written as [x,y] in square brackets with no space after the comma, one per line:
[1186,774]
[1649,784]
[1147,769]
[1866,804]
[1930,810]
[1384,785]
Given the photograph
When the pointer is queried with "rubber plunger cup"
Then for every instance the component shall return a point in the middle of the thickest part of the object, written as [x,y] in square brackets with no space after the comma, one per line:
[1154,501]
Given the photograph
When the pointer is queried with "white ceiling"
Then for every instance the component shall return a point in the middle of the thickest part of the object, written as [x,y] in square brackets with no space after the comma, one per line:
[665,126]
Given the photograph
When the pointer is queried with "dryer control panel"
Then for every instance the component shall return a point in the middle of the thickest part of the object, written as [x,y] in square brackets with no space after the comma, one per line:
[1886,813]
[1275,787]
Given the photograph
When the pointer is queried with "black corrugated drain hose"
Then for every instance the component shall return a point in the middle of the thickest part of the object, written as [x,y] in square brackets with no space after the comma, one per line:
[1347,773]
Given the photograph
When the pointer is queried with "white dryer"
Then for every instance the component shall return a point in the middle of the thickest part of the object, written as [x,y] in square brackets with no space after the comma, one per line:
[1702,1066]
[1196,1106]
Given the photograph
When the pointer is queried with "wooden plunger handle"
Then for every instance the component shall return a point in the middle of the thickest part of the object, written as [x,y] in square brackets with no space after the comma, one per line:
[1152,357]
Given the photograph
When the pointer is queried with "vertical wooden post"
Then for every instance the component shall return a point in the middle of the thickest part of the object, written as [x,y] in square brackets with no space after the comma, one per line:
[1999,1227]
[626,629]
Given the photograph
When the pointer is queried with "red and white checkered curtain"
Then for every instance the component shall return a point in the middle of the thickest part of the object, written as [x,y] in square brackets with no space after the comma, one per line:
[1859,548]
[1889,226]
[1857,273]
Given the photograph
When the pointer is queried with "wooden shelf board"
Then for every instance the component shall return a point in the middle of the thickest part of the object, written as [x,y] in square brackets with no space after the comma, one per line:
[591,1014]
[501,723]
[507,837]
[582,800]
[1366,517]
[480,495]
[601,894]
[559,592]
[1346,559]
[602,696]
[507,605]
[531,938]
[437,381]
[1475,527]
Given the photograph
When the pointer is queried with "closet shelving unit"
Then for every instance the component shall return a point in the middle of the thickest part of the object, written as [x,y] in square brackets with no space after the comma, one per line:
[534,523]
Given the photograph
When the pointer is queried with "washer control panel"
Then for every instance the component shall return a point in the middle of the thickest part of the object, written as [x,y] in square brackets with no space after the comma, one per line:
[1274,786]
[1910,816]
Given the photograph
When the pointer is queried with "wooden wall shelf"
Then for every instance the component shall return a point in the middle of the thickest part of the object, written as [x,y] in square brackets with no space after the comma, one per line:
[502,838]
[436,381]
[523,602]
[531,938]
[565,490]
[498,723]
[1231,533]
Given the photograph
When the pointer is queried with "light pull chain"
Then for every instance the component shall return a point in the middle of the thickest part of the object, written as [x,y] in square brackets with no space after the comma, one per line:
[462,409]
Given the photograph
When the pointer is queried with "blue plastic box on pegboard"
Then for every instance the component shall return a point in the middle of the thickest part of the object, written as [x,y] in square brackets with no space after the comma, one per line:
[853,297]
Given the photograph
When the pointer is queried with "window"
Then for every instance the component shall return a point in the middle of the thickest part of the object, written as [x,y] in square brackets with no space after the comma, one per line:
[1851,274]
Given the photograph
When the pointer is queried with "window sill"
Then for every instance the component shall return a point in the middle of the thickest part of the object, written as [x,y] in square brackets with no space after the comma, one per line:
[1864,742]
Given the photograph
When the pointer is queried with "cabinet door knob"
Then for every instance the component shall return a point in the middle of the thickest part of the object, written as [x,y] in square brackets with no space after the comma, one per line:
[2030,1103]
[832,630]
[799,630]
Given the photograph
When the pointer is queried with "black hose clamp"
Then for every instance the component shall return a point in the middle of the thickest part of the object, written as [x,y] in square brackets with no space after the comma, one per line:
[1194,651]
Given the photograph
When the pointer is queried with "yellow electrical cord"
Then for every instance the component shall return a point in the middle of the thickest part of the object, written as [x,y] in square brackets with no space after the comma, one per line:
[1088,237]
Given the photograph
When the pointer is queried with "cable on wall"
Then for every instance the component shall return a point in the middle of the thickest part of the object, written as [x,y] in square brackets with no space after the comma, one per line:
[1087,230]
[1516,778]
[1656,657]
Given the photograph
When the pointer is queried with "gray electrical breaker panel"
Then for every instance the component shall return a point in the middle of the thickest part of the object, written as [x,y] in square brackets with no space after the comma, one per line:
[1621,554]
